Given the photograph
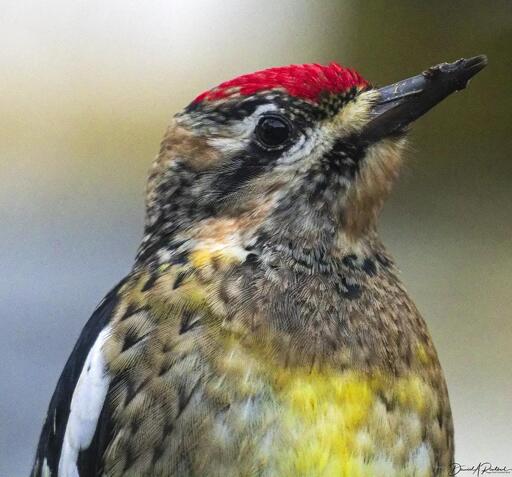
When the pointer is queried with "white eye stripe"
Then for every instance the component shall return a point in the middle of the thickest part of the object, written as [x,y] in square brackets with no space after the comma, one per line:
[308,145]
[241,131]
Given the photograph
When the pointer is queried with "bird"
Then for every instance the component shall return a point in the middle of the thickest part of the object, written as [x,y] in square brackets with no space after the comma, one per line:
[264,329]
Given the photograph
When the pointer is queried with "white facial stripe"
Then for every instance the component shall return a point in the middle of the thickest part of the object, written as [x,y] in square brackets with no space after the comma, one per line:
[86,404]
[310,144]
[241,131]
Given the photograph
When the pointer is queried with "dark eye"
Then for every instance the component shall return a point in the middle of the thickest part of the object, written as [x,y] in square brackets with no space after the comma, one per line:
[273,131]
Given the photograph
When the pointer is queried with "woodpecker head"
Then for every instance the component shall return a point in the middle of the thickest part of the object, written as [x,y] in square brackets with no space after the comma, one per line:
[302,155]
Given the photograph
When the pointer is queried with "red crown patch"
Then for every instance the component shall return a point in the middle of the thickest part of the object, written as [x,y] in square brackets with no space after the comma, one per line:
[302,81]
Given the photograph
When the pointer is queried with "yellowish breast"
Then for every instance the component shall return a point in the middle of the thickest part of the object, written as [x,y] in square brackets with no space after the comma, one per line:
[337,423]
[329,422]
[351,424]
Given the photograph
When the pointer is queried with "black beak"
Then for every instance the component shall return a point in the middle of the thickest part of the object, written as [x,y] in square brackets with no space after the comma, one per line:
[401,103]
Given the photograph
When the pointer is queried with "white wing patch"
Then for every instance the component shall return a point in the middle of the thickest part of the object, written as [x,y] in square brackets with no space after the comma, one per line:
[86,404]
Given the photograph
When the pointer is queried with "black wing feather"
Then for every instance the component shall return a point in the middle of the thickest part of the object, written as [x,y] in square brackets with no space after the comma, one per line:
[52,434]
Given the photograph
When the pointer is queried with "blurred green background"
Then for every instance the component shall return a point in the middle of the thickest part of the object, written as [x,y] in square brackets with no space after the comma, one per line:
[86,91]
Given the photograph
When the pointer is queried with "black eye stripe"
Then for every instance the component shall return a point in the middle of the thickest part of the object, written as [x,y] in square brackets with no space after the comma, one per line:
[242,169]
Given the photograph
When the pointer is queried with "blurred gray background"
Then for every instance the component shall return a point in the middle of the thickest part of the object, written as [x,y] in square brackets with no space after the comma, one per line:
[86,90]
